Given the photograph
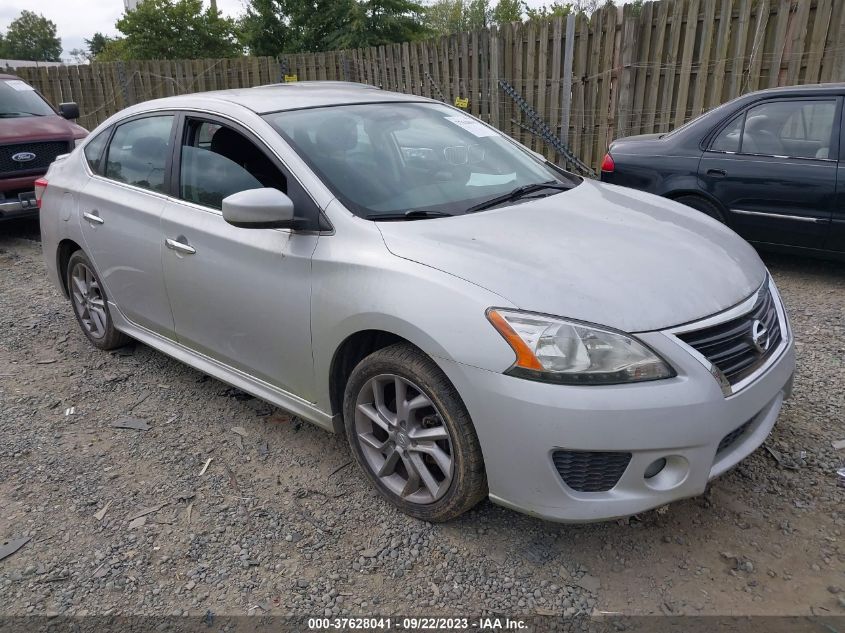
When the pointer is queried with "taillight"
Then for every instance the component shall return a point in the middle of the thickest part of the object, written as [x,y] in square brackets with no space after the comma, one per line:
[607,164]
[40,188]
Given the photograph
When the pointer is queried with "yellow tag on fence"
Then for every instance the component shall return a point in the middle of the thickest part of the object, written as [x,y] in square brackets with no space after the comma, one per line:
[289,79]
[462,103]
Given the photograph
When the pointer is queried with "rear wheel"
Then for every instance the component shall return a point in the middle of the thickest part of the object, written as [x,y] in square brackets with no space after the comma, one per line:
[412,436]
[702,204]
[90,304]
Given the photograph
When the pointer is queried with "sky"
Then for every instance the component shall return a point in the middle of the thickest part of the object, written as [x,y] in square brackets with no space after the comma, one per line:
[77,20]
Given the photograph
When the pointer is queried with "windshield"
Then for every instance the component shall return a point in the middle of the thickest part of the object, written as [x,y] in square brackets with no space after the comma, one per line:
[400,158]
[18,98]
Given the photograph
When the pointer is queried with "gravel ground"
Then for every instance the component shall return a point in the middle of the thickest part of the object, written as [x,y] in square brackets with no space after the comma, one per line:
[279,521]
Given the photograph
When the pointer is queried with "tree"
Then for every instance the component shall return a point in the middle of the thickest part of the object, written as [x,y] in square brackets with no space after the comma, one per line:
[79,55]
[174,29]
[271,27]
[377,22]
[553,10]
[452,16]
[507,11]
[262,28]
[97,44]
[478,14]
[33,37]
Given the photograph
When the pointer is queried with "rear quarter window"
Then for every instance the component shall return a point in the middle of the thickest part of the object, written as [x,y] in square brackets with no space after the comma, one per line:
[94,152]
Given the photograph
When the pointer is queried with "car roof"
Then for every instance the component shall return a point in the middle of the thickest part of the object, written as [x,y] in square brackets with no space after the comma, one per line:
[290,96]
[808,90]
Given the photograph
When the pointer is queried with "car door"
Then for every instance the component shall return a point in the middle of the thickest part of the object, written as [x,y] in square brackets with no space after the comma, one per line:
[836,236]
[239,296]
[773,167]
[120,214]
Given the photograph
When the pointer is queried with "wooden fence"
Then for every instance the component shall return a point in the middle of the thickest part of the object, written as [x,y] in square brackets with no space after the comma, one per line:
[620,71]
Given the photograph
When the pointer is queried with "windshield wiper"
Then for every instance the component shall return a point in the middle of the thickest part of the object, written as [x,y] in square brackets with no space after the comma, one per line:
[413,214]
[519,192]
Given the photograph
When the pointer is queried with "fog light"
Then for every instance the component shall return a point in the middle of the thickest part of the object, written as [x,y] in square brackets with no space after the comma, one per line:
[655,467]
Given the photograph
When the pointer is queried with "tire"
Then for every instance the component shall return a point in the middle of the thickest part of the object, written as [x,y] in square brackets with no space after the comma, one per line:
[90,304]
[411,447]
[702,204]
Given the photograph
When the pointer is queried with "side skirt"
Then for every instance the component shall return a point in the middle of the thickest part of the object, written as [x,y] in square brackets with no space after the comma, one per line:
[236,378]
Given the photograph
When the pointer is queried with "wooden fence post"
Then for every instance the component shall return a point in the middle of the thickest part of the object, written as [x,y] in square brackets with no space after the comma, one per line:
[566,85]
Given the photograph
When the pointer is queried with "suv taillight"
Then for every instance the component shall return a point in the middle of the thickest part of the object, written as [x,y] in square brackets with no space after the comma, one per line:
[607,165]
[40,188]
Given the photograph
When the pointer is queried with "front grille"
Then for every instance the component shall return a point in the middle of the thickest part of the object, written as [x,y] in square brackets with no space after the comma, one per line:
[45,153]
[729,345]
[585,471]
[731,438]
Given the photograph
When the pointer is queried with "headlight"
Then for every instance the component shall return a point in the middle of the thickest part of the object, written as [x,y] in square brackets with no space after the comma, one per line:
[558,350]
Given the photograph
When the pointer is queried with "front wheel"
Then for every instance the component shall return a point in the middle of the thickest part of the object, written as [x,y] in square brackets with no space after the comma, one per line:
[412,436]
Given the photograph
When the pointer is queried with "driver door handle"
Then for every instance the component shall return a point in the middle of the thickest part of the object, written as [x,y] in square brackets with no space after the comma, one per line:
[179,247]
[92,216]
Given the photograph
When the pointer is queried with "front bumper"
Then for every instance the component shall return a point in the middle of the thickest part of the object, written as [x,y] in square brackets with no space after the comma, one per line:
[521,423]
[18,206]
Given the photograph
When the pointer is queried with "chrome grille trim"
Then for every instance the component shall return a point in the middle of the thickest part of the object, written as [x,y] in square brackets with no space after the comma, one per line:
[742,309]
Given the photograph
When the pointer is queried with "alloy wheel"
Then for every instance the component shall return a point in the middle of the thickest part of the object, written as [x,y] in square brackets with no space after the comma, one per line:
[403,439]
[88,300]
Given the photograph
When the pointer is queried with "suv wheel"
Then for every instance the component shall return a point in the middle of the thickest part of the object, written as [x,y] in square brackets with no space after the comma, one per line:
[90,304]
[412,435]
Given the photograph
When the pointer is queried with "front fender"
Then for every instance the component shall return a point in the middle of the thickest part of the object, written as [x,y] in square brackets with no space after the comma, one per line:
[359,285]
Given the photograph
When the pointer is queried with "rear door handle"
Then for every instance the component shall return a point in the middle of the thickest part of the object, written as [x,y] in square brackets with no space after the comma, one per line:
[92,216]
[717,173]
[179,247]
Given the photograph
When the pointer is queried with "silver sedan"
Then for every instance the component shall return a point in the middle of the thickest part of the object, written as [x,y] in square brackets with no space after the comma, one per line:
[475,320]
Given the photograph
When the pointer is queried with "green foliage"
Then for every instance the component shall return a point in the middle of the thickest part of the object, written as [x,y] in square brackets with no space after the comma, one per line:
[97,44]
[377,22]
[32,36]
[173,29]
[553,10]
[451,16]
[272,27]
[262,28]
[507,11]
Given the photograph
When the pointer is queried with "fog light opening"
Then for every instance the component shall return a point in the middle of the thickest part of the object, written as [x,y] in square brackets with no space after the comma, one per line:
[655,467]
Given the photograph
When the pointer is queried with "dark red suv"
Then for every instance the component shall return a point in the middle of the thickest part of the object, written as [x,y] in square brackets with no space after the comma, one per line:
[32,134]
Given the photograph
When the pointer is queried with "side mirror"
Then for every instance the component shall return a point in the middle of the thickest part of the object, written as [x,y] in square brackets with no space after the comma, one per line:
[69,110]
[265,208]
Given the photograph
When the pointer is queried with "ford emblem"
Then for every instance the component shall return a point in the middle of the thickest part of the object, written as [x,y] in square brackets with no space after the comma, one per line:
[23,157]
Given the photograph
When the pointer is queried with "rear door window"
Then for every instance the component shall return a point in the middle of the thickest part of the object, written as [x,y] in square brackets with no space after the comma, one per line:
[794,128]
[138,152]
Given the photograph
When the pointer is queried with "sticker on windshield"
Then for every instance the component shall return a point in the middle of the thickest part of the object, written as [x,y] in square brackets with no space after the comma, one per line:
[485,180]
[474,127]
[18,85]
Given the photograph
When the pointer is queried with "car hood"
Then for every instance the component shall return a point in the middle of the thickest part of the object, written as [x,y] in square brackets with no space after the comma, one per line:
[38,128]
[597,253]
